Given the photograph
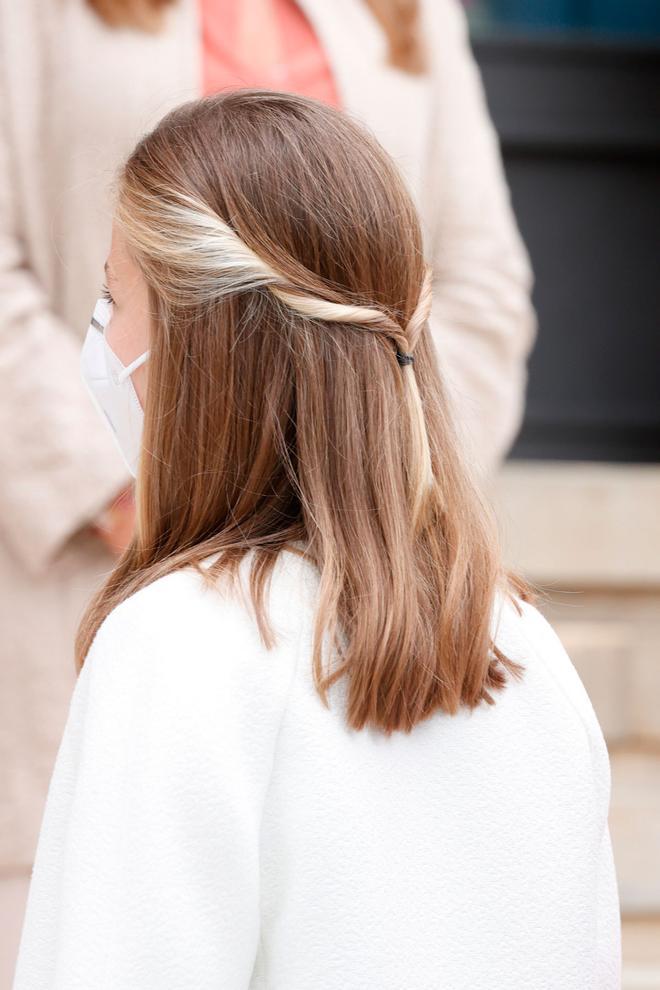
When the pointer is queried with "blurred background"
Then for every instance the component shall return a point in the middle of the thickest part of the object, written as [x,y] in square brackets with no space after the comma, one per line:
[574,90]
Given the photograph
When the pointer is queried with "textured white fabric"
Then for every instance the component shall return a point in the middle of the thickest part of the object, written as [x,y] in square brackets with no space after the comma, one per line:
[210,825]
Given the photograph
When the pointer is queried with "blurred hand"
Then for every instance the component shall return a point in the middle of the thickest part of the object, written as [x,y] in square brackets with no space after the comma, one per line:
[114,527]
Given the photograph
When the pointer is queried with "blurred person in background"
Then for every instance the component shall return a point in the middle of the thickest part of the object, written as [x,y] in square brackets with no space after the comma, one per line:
[79,82]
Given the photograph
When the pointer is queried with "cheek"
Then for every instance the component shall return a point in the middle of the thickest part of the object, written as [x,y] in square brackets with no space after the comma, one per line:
[127,337]
[119,340]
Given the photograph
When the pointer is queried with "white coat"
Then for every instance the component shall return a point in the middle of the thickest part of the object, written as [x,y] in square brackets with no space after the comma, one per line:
[211,824]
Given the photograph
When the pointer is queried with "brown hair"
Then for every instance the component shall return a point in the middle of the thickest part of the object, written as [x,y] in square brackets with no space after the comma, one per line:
[398,19]
[284,262]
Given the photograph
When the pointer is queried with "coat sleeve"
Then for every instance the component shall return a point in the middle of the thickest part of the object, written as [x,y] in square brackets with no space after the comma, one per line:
[58,461]
[147,866]
[543,637]
[483,322]
[608,975]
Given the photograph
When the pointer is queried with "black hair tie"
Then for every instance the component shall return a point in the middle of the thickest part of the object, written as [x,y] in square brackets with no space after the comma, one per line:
[404,358]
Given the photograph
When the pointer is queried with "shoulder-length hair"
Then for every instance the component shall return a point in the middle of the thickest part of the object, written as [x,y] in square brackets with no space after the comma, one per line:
[284,262]
[399,20]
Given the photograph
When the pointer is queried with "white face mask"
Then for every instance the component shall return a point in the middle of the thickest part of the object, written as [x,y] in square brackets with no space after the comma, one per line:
[110,386]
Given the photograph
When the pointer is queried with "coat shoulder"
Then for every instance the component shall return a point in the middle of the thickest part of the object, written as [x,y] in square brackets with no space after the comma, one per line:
[187,609]
[524,634]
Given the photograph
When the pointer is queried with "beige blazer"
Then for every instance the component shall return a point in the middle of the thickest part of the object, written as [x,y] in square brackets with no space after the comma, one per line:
[75,96]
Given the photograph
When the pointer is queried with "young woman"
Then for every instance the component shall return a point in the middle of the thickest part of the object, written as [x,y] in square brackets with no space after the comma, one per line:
[80,82]
[320,738]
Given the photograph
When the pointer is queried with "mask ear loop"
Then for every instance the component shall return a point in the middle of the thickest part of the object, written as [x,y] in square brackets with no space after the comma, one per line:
[130,368]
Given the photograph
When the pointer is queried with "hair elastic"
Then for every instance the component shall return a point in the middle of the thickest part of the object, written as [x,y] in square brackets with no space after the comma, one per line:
[403,358]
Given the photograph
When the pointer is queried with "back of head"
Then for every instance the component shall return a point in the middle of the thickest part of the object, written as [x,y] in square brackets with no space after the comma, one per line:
[294,395]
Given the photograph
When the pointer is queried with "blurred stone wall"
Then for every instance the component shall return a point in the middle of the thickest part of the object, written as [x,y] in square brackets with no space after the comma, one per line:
[588,535]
